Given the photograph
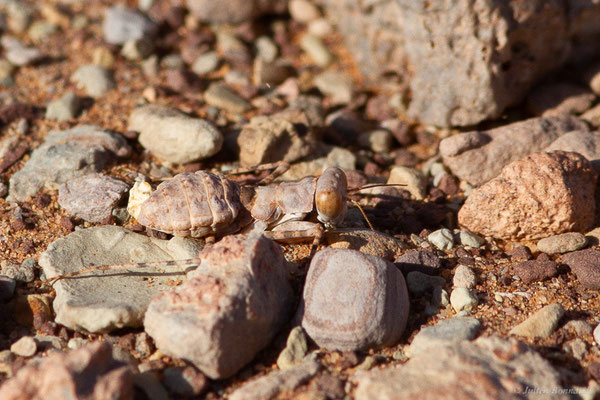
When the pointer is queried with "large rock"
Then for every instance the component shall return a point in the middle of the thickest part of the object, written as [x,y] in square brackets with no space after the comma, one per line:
[104,301]
[229,310]
[477,157]
[468,60]
[173,136]
[538,196]
[489,368]
[87,373]
[66,155]
[353,301]
[234,11]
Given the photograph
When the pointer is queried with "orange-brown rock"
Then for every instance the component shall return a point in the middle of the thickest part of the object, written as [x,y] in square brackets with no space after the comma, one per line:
[535,197]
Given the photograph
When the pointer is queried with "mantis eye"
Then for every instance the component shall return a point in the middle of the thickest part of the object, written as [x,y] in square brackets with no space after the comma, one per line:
[330,196]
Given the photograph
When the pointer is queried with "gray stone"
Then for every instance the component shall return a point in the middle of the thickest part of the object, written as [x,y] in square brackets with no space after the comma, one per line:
[488,368]
[353,301]
[464,277]
[336,85]
[24,55]
[541,324]
[592,116]
[288,135]
[234,11]
[419,282]
[41,31]
[270,385]
[577,348]
[229,309]
[586,266]
[122,24]
[266,49]
[102,301]
[173,136]
[66,155]
[295,349]
[314,47]
[89,372]
[7,287]
[439,297]
[222,96]
[424,261]
[563,243]
[206,63]
[580,327]
[24,347]
[470,239]
[477,157]
[444,333]
[443,239]
[20,273]
[583,142]
[377,140]
[6,71]
[462,299]
[452,83]
[94,79]
[91,197]
[63,109]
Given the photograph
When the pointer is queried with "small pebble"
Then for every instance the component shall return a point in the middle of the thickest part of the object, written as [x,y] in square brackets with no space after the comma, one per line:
[586,266]
[536,270]
[137,49]
[419,282]
[377,140]
[303,11]
[580,327]
[445,332]
[577,348]
[206,63]
[94,79]
[464,277]
[414,180]
[439,297]
[336,85]
[541,324]
[462,300]
[295,349]
[316,50]
[266,49]
[222,96]
[24,347]
[184,381]
[63,109]
[442,239]
[471,239]
[596,334]
[23,55]
[122,24]
[563,243]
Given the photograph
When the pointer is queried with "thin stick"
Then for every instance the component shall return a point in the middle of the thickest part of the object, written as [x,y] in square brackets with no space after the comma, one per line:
[363,214]
[374,185]
[191,262]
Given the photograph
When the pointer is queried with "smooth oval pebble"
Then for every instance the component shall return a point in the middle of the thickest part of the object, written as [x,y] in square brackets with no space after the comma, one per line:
[353,301]
[562,243]
[25,347]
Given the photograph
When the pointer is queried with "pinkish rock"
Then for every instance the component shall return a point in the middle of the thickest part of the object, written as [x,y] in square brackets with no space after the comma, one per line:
[538,196]
[477,157]
[586,266]
[234,11]
[87,373]
[583,142]
[558,99]
[353,301]
[230,309]
[91,197]
[488,368]
[536,270]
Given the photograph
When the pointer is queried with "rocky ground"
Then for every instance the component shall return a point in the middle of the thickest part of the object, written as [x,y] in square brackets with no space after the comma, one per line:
[480,278]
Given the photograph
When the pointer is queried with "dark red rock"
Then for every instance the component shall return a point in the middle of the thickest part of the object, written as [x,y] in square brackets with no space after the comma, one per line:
[423,261]
[67,223]
[12,157]
[586,266]
[449,185]
[521,253]
[536,270]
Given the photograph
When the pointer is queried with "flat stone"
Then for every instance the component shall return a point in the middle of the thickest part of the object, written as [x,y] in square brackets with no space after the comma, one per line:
[104,301]
[288,135]
[206,63]
[536,270]
[24,347]
[424,261]
[563,243]
[122,24]
[488,368]
[462,299]
[66,155]
[586,266]
[477,157]
[366,241]
[72,375]
[419,282]
[516,205]
[21,56]
[94,79]
[173,136]
[541,324]
[464,277]
[275,382]
[295,349]
[444,333]
[63,109]
[470,239]
[230,308]
[222,96]
[415,181]
[353,301]
[559,98]
[91,197]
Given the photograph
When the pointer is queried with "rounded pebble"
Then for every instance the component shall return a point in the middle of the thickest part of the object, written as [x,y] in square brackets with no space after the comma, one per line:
[419,282]
[295,349]
[541,324]
[464,277]
[471,239]
[563,243]
[462,300]
[442,239]
[25,347]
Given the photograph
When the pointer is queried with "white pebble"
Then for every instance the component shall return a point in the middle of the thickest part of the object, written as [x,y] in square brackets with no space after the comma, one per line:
[462,300]
[25,347]
[442,239]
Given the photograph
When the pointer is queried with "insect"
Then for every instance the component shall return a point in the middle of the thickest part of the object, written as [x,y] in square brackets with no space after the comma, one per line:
[203,204]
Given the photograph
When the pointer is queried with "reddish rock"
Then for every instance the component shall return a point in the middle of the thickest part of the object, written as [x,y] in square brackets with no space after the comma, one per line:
[586,265]
[536,270]
[87,373]
[538,196]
